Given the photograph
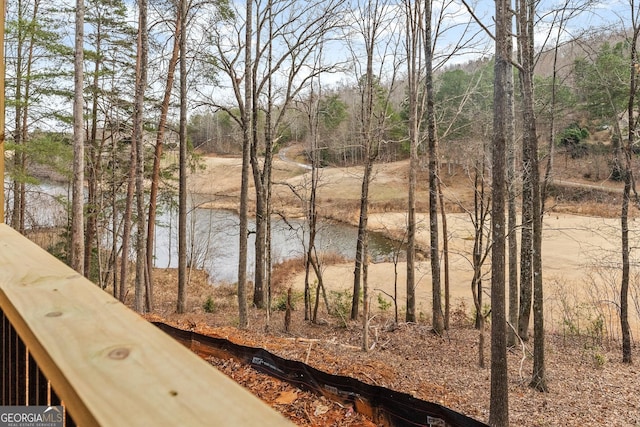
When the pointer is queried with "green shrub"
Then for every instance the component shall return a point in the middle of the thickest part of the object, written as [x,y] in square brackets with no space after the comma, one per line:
[209,305]
[279,303]
[340,302]
[599,359]
[572,135]
[383,304]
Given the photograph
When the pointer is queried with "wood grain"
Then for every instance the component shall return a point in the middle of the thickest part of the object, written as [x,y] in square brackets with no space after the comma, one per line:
[110,366]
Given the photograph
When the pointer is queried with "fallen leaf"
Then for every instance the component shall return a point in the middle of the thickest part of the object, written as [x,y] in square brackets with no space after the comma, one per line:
[287,397]
[321,409]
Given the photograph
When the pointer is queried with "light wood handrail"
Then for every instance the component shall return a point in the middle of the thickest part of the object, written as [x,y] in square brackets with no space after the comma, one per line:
[108,365]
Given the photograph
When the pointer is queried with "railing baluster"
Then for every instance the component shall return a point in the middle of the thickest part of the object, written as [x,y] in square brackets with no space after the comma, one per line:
[22,381]
[37,394]
[4,393]
[21,372]
[9,366]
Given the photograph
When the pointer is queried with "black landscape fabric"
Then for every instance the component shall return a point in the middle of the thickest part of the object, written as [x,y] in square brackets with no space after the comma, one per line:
[384,406]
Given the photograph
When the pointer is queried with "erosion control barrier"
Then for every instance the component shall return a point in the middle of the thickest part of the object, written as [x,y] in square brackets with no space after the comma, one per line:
[384,406]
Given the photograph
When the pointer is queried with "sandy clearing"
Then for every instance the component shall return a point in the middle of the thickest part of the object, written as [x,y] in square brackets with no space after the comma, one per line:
[580,268]
[581,255]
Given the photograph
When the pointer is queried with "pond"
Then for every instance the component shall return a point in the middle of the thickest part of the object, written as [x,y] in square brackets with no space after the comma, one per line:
[213,234]
[215,245]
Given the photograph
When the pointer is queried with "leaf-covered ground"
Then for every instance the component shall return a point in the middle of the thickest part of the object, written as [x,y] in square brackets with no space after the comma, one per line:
[588,384]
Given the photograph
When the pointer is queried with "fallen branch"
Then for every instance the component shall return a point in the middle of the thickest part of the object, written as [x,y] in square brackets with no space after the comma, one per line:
[306,359]
[524,350]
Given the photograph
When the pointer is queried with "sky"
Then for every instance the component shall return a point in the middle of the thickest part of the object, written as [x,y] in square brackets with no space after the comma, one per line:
[457,24]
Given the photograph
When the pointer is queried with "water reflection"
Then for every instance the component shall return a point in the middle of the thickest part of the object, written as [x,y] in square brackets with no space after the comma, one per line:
[212,234]
[214,246]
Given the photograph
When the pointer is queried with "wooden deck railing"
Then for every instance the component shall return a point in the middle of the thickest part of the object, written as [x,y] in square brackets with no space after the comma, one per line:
[64,339]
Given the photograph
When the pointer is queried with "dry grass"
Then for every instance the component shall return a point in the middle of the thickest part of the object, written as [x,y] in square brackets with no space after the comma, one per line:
[46,238]
[283,271]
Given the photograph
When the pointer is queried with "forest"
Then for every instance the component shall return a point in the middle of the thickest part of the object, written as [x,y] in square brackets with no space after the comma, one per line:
[499,114]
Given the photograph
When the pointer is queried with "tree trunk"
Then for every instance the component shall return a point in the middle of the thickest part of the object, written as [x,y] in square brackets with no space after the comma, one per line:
[445,254]
[23,129]
[357,269]
[362,234]
[311,211]
[499,401]
[367,141]
[128,215]
[262,177]
[437,317]
[94,158]
[526,246]
[526,16]
[624,214]
[367,106]
[138,139]
[157,157]
[258,179]
[117,293]
[244,185]
[365,295]
[480,213]
[411,235]
[182,191]
[512,235]
[414,24]
[17,211]
[77,200]
[624,286]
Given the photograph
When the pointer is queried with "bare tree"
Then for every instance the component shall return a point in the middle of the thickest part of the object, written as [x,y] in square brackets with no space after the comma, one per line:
[561,18]
[311,255]
[312,111]
[437,314]
[246,121]
[369,23]
[278,68]
[77,202]
[135,178]
[629,182]
[499,402]
[512,220]
[374,19]
[287,49]
[157,157]
[423,61]
[414,25]
[138,140]
[531,183]
[482,204]
[182,191]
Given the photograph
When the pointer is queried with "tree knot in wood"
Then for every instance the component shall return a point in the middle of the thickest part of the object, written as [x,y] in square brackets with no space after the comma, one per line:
[119,353]
[54,314]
